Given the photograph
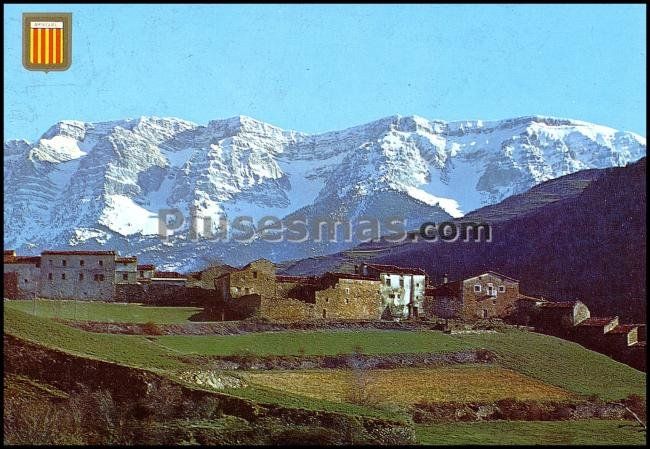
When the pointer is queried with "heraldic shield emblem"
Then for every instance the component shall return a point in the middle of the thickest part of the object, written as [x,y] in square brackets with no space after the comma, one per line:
[47,41]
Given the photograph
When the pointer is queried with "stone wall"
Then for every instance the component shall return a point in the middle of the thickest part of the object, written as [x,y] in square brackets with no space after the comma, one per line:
[349,299]
[28,277]
[286,309]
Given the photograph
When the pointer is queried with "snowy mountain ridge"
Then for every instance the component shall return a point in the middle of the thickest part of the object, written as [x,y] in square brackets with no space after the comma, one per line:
[102,184]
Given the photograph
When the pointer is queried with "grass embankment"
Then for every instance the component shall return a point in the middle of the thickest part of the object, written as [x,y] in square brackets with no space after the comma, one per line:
[103,311]
[551,360]
[131,350]
[590,431]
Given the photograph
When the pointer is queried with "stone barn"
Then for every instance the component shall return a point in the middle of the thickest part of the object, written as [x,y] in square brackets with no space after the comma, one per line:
[27,274]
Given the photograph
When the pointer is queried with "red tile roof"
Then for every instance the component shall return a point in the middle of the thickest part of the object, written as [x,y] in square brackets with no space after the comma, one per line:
[34,260]
[297,279]
[146,267]
[9,252]
[623,328]
[558,304]
[80,253]
[168,274]
[597,321]
[339,275]
[126,259]
[396,269]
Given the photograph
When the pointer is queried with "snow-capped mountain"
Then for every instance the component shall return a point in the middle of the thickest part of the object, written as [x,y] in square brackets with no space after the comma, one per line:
[88,185]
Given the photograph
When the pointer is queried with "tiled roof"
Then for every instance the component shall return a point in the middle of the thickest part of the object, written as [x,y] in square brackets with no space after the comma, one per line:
[597,321]
[396,269]
[146,267]
[168,274]
[126,259]
[9,252]
[623,328]
[22,259]
[339,275]
[80,253]
[558,305]
[300,279]
[450,287]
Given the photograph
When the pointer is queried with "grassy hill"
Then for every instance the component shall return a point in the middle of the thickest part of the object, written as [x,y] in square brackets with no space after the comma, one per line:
[527,365]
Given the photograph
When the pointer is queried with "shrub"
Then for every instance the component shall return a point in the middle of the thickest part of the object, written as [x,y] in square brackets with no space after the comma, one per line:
[151,328]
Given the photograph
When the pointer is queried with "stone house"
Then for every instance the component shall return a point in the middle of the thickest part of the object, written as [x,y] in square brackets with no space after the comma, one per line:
[623,335]
[145,272]
[126,270]
[78,275]
[256,278]
[402,289]
[26,275]
[348,296]
[559,317]
[488,295]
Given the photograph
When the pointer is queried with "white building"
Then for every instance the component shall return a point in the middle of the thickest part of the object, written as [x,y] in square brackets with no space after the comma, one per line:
[402,289]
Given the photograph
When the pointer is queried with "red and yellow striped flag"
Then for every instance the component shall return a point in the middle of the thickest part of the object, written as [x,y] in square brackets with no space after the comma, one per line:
[47,41]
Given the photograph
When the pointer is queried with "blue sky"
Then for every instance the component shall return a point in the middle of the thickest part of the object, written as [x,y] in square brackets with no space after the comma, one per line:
[316,68]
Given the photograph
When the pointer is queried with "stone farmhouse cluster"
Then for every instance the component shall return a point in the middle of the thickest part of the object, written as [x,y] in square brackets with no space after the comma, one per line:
[85,275]
[572,320]
[372,292]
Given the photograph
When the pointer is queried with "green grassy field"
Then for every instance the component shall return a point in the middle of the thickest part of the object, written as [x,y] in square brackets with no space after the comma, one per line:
[551,360]
[590,431]
[555,361]
[102,311]
[131,350]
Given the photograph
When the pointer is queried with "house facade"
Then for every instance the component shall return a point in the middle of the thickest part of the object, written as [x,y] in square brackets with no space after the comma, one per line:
[488,295]
[26,276]
[78,275]
[402,289]
[126,270]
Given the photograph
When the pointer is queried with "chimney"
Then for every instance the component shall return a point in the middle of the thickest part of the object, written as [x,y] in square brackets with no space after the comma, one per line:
[444,278]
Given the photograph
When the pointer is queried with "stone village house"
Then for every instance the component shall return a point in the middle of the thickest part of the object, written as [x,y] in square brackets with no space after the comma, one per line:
[488,295]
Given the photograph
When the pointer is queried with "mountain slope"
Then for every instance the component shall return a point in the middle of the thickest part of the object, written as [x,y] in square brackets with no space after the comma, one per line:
[588,243]
[90,185]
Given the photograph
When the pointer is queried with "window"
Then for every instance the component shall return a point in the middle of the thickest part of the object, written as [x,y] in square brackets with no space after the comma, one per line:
[26,281]
[49,275]
[81,263]
[125,276]
[51,262]
[99,277]
[387,281]
[81,276]
[141,273]
[485,313]
[347,290]
[64,262]
[324,313]
[502,288]
[401,281]
[477,288]
[347,300]
[62,275]
[254,274]
[327,300]
[101,263]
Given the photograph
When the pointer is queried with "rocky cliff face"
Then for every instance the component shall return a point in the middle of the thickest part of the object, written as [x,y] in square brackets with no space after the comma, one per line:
[90,185]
